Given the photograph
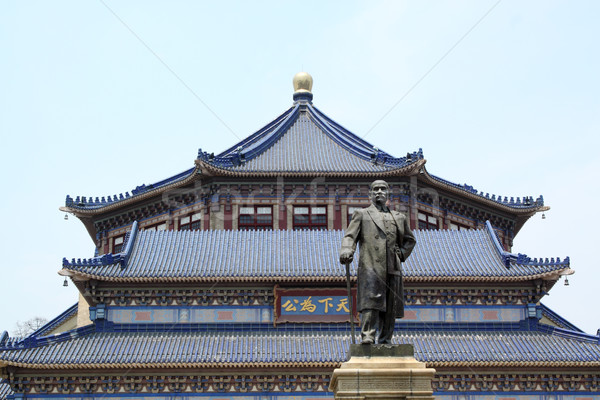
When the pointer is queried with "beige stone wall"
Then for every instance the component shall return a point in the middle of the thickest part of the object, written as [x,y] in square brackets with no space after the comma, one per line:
[217,219]
[83,312]
[235,213]
[69,324]
[547,321]
[290,217]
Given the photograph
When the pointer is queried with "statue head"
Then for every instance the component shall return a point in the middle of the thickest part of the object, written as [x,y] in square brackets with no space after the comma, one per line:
[379,192]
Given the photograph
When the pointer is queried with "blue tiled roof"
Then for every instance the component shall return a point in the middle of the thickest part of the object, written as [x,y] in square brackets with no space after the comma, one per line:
[527,202]
[301,346]
[305,255]
[91,203]
[304,140]
[300,140]
[5,390]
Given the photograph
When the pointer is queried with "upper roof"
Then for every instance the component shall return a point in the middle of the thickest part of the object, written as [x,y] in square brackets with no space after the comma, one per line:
[301,142]
[304,141]
[284,256]
[522,344]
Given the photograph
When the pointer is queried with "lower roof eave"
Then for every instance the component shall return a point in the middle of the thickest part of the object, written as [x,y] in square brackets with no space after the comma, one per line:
[173,365]
[529,211]
[513,364]
[82,276]
[292,364]
[82,213]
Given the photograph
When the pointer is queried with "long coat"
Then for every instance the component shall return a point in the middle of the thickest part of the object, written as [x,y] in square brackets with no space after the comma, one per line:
[367,229]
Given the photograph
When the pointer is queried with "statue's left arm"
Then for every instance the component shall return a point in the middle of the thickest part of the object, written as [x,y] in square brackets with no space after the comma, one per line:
[408,241]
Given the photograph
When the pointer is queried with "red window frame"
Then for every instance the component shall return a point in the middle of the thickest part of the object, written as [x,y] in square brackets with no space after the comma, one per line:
[258,220]
[118,247]
[427,223]
[310,217]
[459,226]
[188,223]
[155,226]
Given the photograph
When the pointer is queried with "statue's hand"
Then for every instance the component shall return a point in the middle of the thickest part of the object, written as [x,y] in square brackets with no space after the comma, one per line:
[346,257]
[399,253]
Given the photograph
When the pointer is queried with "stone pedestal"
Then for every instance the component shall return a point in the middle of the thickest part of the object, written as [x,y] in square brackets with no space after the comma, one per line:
[382,372]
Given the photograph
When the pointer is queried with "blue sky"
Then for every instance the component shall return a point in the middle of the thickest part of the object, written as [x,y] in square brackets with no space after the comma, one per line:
[98,97]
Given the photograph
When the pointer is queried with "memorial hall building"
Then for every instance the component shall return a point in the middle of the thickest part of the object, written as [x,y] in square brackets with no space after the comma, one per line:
[224,283]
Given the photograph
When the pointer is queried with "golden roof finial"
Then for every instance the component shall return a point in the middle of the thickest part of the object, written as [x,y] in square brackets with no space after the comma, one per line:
[303,82]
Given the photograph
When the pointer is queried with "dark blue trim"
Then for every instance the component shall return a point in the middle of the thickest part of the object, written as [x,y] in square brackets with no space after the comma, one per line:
[525,203]
[260,141]
[259,147]
[567,333]
[501,394]
[253,145]
[32,341]
[358,146]
[176,307]
[129,242]
[554,317]
[522,259]
[258,134]
[110,258]
[174,395]
[343,132]
[284,395]
[106,326]
[84,203]
[61,318]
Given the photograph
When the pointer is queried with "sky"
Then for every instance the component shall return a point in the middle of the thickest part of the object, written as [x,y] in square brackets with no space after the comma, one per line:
[100,96]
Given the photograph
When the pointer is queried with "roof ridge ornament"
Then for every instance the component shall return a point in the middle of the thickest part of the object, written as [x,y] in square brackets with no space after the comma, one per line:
[302,87]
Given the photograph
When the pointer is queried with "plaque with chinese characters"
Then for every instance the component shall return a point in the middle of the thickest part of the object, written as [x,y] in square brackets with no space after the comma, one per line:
[313,305]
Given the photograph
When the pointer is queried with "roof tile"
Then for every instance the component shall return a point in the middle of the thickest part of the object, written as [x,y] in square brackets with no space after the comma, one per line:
[301,346]
[306,255]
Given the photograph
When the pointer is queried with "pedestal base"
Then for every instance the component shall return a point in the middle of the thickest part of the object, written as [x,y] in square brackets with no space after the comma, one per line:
[382,372]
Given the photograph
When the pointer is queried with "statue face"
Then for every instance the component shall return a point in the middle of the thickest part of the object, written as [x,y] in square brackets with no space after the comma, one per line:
[379,192]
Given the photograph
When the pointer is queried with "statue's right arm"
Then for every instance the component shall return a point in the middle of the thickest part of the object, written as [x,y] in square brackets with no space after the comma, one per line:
[350,238]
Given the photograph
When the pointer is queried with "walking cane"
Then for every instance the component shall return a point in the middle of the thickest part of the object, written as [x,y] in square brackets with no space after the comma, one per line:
[350,302]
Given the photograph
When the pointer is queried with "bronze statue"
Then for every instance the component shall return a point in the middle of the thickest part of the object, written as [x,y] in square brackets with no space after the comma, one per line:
[385,240]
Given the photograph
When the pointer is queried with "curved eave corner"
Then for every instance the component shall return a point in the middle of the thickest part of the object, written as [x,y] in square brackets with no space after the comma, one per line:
[70,268]
[513,206]
[562,268]
[140,193]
